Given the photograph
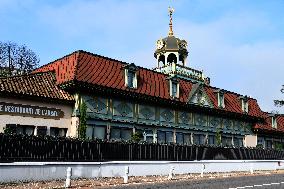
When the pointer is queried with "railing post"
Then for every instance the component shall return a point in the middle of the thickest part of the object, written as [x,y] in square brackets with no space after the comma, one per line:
[202,170]
[68,178]
[125,177]
[171,173]
[251,168]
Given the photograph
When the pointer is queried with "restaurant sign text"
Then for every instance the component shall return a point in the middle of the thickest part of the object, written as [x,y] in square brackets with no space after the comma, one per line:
[30,111]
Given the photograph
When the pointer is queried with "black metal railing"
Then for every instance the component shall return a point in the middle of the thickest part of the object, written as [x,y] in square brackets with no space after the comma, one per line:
[33,148]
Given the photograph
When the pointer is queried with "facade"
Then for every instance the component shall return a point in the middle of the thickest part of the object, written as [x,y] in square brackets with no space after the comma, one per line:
[171,103]
[29,105]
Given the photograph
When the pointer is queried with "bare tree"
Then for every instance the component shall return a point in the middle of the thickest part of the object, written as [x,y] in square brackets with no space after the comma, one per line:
[279,102]
[16,59]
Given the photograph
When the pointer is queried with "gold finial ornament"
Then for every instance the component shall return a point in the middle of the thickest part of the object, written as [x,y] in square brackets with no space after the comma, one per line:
[171,10]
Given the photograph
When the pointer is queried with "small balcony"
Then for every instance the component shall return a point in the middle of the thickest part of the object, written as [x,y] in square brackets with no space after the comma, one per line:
[183,72]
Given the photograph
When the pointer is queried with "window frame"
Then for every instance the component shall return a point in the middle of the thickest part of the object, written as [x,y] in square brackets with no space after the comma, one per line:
[244,104]
[221,99]
[274,122]
[172,84]
[130,68]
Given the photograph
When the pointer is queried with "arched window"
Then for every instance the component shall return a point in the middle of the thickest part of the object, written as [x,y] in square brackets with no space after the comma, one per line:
[161,60]
[172,58]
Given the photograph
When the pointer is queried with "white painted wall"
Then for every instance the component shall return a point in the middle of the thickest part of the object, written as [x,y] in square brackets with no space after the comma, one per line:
[39,171]
[64,122]
[250,140]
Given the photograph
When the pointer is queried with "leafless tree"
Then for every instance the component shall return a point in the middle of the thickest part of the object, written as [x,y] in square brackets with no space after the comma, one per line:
[16,59]
[280,102]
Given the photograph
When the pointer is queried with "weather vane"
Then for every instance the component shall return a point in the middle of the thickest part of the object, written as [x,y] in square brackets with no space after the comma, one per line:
[171,10]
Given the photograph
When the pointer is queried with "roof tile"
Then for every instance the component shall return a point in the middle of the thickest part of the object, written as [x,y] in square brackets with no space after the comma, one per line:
[38,84]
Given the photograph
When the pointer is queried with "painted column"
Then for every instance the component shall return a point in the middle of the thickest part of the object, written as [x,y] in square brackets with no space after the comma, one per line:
[75,120]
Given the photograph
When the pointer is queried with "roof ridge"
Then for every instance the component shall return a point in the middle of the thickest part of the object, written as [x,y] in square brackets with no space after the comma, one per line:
[120,61]
[55,60]
[213,87]
[27,74]
[94,54]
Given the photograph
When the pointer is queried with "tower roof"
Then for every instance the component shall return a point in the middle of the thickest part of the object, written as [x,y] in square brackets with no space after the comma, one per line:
[171,43]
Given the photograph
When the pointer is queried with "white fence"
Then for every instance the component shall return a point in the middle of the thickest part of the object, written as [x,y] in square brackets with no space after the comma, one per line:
[39,171]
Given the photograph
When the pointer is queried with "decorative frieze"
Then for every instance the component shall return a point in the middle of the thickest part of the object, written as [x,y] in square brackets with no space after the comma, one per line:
[185,118]
[96,104]
[146,112]
[200,120]
[122,111]
[167,115]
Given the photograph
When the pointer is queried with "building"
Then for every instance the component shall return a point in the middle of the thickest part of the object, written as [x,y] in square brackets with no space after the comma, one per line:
[33,104]
[171,103]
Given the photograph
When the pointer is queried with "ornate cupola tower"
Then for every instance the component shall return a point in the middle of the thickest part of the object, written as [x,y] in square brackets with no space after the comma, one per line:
[171,54]
[171,49]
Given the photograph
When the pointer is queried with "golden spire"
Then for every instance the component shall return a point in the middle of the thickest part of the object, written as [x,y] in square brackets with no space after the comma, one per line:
[171,10]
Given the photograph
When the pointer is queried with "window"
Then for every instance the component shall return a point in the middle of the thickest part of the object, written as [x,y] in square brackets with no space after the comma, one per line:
[244,102]
[211,139]
[268,144]
[58,132]
[174,88]
[95,131]
[131,79]
[226,141]
[41,131]
[238,141]
[260,141]
[126,134]
[198,139]
[21,129]
[221,102]
[187,138]
[120,133]
[131,76]
[161,137]
[221,98]
[165,137]
[183,138]
[179,138]
[169,137]
[11,128]
[274,122]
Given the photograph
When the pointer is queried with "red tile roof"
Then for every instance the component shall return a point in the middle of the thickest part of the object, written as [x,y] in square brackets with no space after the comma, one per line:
[267,125]
[106,72]
[41,85]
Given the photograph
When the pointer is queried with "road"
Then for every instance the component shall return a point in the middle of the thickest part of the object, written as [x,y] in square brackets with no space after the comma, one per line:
[272,181]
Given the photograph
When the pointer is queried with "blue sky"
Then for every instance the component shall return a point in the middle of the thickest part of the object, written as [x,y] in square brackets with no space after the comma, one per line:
[239,44]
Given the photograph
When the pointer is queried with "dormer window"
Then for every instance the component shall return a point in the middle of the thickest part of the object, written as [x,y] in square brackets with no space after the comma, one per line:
[273,121]
[131,75]
[221,98]
[244,102]
[174,87]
